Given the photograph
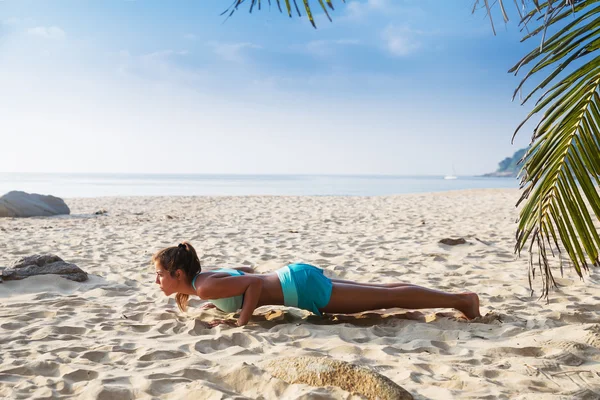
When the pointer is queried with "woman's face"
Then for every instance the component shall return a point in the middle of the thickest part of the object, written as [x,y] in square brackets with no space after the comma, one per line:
[167,283]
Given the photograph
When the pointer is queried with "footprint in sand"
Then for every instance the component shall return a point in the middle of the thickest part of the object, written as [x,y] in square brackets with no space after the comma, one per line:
[451,267]
[140,328]
[528,351]
[38,368]
[165,385]
[171,326]
[162,355]
[13,326]
[492,373]
[112,392]
[244,343]
[127,348]
[96,356]
[565,358]
[70,330]
[328,255]
[117,380]
[80,375]
[196,374]
[71,351]
[209,346]
[39,314]
[140,315]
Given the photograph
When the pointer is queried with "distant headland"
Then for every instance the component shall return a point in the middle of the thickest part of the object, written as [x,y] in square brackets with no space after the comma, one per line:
[508,167]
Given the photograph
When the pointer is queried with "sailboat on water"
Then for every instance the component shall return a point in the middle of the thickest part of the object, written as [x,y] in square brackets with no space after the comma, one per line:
[453,176]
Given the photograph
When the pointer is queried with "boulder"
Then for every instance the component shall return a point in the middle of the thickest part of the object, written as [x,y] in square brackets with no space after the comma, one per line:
[321,371]
[43,265]
[20,205]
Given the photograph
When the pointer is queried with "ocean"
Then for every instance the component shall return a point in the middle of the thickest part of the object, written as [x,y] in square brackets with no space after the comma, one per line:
[98,185]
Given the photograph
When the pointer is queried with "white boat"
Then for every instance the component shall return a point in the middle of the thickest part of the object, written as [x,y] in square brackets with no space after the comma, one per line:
[453,176]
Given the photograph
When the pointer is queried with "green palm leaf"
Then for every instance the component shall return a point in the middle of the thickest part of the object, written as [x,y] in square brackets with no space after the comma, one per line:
[561,169]
[288,5]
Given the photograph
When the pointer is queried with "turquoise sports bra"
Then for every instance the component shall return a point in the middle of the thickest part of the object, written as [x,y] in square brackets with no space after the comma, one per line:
[227,304]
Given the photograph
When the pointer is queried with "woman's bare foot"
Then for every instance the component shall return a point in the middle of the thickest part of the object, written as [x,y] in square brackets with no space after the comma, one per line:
[471,305]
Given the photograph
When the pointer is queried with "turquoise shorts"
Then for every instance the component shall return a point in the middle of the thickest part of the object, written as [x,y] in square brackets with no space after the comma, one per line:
[304,286]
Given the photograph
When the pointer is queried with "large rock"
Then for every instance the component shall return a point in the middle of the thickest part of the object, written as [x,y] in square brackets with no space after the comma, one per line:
[20,205]
[320,371]
[43,265]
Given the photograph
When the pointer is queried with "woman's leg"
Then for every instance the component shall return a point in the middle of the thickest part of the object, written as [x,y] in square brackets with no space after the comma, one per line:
[383,285]
[353,298]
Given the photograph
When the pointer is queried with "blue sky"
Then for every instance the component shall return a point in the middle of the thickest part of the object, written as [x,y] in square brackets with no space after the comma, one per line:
[402,87]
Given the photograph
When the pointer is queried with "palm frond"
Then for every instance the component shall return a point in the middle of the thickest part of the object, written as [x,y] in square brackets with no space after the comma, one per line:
[561,169]
[288,5]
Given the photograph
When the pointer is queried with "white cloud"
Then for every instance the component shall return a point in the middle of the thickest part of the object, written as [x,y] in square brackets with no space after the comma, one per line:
[51,32]
[401,41]
[232,51]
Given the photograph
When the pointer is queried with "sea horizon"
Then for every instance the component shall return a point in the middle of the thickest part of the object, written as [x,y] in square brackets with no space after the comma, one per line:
[76,184]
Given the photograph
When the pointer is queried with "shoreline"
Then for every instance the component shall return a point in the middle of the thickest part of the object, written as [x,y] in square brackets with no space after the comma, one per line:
[474,190]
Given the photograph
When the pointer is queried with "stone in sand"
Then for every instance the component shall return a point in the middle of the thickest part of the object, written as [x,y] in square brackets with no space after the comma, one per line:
[453,242]
[17,204]
[321,371]
[43,265]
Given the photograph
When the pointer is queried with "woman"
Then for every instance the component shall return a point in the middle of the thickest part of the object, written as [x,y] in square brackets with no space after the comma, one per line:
[304,286]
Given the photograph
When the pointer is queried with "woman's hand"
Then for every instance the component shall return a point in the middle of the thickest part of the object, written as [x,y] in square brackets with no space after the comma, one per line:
[217,322]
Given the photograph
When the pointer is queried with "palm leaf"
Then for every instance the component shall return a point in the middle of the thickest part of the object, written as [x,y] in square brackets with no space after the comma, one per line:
[288,5]
[561,169]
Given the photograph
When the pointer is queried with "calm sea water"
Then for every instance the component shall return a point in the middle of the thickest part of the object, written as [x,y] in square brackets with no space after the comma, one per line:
[96,185]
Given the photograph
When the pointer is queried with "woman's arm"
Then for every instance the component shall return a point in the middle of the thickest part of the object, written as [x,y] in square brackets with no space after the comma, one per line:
[251,298]
[216,287]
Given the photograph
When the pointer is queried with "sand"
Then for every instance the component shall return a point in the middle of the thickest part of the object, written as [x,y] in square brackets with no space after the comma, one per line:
[117,336]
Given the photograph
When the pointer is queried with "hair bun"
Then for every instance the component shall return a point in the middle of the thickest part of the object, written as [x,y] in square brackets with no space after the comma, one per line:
[181,246]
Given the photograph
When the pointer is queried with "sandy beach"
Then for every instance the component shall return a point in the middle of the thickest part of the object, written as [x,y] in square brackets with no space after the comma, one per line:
[117,336]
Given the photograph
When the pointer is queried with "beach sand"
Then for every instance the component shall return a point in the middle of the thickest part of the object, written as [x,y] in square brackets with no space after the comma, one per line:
[117,336]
